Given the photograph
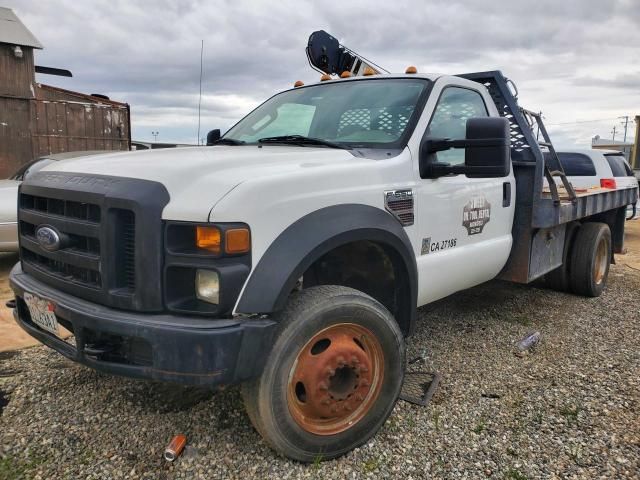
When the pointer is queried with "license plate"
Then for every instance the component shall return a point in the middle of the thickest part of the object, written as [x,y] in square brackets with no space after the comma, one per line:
[42,313]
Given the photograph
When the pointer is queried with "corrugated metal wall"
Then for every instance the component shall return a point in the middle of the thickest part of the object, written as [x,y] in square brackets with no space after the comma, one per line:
[15,135]
[17,75]
[71,126]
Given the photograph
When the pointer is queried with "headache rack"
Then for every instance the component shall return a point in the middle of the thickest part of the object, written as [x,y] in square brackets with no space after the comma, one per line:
[541,215]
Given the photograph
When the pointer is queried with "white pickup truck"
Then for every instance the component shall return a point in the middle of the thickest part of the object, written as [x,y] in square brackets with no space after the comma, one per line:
[292,254]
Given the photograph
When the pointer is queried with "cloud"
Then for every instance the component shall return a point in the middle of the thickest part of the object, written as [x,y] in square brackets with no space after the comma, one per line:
[573,59]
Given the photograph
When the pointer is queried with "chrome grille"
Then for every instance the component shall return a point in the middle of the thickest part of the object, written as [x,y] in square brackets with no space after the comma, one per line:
[78,259]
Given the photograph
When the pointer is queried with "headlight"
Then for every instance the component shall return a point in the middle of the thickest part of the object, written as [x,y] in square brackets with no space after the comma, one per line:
[208,286]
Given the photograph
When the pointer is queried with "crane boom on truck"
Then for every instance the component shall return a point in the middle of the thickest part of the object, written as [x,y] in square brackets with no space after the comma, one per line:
[327,55]
[292,254]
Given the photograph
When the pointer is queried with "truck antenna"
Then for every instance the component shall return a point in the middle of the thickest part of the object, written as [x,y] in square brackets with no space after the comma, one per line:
[200,97]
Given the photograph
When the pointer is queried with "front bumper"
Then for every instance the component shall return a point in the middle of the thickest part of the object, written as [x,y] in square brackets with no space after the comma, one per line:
[8,236]
[163,347]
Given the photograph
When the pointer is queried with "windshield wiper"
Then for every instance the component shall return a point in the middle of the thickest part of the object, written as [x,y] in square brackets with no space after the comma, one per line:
[228,141]
[302,140]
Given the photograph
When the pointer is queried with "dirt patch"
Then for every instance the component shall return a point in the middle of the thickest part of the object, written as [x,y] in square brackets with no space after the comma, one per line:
[632,245]
[11,335]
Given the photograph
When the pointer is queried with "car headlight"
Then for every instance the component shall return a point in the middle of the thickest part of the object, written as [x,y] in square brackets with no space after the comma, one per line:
[208,286]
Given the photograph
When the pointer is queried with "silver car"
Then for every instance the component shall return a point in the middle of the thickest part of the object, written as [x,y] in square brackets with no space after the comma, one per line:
[9,196]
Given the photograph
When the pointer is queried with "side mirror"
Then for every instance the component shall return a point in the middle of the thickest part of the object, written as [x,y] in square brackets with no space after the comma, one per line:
[213,136]
[487,151]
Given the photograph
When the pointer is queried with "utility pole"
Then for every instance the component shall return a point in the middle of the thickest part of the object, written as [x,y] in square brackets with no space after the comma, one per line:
[614,133]
[626,124]
[155,135]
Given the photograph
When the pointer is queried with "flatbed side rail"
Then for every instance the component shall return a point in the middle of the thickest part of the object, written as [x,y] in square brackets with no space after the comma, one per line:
[552,166]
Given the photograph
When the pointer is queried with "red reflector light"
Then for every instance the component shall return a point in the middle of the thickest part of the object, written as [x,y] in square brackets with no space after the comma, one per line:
[608,182]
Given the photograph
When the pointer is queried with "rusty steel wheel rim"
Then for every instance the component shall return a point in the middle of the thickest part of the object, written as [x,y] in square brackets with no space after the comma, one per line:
[601,262]
[335,379]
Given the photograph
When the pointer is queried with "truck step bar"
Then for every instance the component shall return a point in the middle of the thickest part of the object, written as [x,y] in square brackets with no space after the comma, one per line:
[553,167]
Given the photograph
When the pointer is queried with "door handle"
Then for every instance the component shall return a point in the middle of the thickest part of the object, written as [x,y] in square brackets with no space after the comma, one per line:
[506,194]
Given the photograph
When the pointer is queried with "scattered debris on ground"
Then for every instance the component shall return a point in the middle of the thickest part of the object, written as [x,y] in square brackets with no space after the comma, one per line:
[569,408]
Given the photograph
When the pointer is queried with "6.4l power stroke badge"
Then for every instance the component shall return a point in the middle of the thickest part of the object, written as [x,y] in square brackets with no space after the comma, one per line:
[476,214]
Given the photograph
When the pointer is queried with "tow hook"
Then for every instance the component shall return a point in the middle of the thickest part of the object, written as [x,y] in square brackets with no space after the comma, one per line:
[95,350]
[11,303]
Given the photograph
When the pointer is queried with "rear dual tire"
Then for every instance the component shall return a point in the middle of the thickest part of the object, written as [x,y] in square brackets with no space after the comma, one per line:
[590,259]
[333,376]
[586,260]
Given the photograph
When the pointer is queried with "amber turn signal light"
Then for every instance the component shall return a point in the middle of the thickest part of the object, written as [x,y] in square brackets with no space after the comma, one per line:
[237,240]
[208,238]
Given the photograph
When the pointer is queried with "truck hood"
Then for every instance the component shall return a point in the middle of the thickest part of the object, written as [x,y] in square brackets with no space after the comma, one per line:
[199,177]
[8,200]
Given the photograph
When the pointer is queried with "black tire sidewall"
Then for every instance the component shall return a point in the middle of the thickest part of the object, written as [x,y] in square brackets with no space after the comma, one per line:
[559,279]
[287,435]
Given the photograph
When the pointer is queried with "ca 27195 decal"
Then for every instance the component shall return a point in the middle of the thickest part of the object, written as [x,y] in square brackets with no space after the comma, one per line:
[476,214]
[431,247]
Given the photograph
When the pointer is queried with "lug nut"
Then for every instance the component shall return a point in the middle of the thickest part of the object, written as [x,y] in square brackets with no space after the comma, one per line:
[323,386]
[330,371]
[341,362]
[354,360]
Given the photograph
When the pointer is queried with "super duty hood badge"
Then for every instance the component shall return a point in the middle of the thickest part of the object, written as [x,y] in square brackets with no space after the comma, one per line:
[399,203]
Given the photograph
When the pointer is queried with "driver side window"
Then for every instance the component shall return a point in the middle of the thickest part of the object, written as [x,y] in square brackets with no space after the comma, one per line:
[455,106]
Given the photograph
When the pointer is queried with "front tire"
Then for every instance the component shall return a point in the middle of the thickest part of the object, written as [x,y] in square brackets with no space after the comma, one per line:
[334,373]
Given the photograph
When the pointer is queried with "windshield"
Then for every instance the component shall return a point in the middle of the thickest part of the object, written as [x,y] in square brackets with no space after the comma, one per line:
[372,113]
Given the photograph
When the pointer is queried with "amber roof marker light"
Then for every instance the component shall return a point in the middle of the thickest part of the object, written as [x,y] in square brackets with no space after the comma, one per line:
[325,77]
[345,74]
[299,83]
[411,70]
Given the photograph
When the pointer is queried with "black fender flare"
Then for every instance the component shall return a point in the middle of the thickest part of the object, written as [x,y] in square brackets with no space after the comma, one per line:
[312,236]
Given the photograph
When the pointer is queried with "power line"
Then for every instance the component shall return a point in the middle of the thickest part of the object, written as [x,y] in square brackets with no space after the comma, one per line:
[585,121]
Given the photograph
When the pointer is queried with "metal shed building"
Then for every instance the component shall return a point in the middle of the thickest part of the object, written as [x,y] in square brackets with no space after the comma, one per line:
[37,119]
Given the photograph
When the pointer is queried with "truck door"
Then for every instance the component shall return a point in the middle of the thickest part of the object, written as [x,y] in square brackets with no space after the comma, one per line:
[464,223]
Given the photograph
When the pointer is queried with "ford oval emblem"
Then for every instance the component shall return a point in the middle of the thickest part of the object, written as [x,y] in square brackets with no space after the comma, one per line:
[48,238]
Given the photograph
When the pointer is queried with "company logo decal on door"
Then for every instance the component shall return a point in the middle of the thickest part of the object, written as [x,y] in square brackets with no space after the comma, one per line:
[476,214]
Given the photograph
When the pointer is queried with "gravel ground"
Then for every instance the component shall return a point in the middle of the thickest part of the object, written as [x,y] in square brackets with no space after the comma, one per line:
[569,409]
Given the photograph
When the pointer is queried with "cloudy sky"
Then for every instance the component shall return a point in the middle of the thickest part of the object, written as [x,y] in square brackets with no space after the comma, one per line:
[576,60]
